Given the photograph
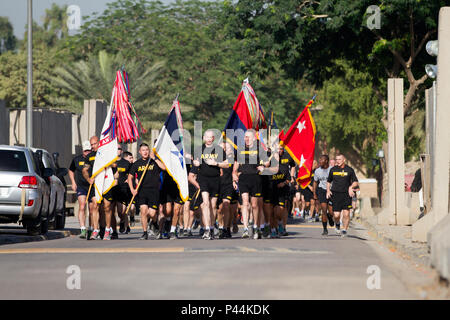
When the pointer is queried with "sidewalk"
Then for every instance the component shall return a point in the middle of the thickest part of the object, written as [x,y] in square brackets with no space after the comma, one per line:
[398,239]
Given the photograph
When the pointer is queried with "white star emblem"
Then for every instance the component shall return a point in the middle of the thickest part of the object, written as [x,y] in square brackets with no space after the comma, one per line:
[301,126]
[180,157]
[302,161]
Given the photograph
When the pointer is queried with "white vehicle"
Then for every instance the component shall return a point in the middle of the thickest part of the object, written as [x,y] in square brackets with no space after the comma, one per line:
[57,205]
[24,189]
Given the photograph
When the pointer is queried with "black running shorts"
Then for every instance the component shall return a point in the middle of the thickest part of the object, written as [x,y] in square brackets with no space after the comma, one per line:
[280,196]
[308,194]
[148,197]
[322,195]
[251,184]
[210,185]
[341,201]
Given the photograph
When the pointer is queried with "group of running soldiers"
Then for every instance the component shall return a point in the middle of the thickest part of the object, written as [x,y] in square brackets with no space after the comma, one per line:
[227,186]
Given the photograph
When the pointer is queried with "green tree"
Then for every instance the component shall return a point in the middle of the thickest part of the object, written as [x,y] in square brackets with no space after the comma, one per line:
[7,39]
[94,79]
[351,118]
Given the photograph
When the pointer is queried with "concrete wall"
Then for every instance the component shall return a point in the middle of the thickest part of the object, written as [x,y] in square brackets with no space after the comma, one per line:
[51,131]
[4,123]
[55,130]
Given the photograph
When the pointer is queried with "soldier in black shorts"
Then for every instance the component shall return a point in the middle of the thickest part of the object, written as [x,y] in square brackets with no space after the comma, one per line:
[281,192]
[250,162]
[209,158]
[123,193]
[195,201]
[148,193]
[287,165]
[172,203]
[94,221]
[341,186]
[227,194]
[80,185]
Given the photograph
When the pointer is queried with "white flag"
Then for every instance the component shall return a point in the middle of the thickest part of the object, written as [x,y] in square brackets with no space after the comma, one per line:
[105,157]
[171,152]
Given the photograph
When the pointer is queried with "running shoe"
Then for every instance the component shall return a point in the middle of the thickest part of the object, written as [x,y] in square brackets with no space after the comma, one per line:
[196,224]
[190,234]
[245,234]
[88,234]
[343,233]
[325,232]
[330,220]
[114,235]
[122,227]
[207,235]
[107,235]
[95,236]
[266,232]
[201,232]
[235,228]
[83,234]
[128,230]
[280,229]
[172,236]
[186,233]
[284,233]
[159,236]
[221,234]
[165,235]
[144,236]
[102,232]
[257,235]
[274,235]
[338,232]
[228,233]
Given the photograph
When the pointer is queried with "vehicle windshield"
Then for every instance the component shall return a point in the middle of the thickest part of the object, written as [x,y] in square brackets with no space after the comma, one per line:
[13,161]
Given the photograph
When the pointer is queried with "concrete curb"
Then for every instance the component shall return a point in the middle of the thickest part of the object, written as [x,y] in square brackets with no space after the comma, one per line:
[21,238]
[420,255]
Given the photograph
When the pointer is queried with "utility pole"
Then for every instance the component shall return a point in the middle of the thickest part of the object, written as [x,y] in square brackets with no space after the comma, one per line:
[29,130]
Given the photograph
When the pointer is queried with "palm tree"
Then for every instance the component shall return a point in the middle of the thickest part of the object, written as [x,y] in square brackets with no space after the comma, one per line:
[94,79]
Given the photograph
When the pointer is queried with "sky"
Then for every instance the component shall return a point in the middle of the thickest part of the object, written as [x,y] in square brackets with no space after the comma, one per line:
[16,10]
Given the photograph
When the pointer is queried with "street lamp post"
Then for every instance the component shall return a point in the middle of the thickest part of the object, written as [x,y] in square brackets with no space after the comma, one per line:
[29,129]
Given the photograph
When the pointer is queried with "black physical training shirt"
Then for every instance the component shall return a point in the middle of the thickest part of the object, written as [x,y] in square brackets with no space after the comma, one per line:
[151,178]
[249,159]
[286,161]
[283,173]
[76,166]
[123,167]
[215,153]
[341,178]
[90,159]
[227,173]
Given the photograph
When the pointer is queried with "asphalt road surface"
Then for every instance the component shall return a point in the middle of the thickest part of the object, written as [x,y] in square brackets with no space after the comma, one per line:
[304,265]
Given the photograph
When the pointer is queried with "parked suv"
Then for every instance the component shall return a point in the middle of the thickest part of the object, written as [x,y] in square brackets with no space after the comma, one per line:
[24,189]
[57,205]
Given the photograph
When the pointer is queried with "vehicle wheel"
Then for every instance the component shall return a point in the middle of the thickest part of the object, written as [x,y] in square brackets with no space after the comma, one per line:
[52,225]
[60,219]
[34,226]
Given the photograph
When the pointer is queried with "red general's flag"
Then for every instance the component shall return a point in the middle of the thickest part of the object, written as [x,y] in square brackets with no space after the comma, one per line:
[300,143]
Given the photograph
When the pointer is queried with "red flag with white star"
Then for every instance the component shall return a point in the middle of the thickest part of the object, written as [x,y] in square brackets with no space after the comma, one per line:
[300,143]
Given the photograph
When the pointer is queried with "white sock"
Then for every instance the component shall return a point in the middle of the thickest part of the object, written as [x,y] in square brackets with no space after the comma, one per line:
[83,228]
[263,226]
[172,229]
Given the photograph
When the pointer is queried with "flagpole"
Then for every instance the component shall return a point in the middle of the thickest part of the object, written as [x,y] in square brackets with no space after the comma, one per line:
[139,184]
[270,128]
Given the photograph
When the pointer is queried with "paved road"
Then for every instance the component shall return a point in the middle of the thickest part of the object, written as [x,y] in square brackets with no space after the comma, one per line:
[304,265]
